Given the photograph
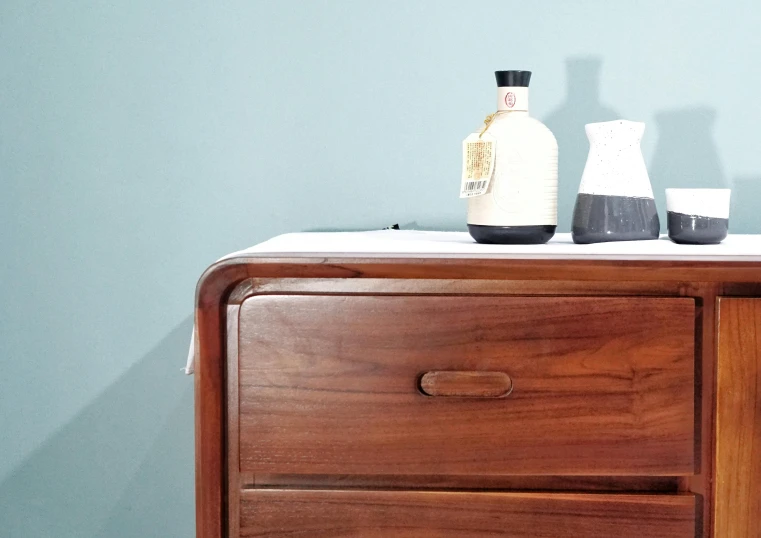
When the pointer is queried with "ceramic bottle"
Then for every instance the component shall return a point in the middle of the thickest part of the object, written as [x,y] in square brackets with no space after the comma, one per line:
[615,200]
[520,204]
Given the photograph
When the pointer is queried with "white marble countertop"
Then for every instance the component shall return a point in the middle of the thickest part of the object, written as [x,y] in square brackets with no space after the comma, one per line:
[418,244]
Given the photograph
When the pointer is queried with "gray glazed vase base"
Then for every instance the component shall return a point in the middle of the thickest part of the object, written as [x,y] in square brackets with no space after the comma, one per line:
[696,230]
[604,218]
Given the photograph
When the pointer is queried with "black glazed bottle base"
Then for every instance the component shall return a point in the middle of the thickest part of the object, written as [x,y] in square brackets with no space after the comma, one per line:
[696,230]
[603,218]
[512,235]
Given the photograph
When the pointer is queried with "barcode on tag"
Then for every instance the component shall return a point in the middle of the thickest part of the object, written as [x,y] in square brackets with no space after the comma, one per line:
[471,186]
[478,154]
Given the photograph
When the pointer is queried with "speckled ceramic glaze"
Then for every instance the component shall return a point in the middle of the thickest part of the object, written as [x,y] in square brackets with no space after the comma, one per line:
[698,216]
[615,201]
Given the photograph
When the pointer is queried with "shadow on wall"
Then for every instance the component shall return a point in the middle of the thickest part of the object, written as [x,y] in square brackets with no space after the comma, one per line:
[581,106]
[122,468]
[685,155]
[743,213]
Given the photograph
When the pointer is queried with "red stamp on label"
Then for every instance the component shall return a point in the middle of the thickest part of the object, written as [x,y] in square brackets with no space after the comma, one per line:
[510,99]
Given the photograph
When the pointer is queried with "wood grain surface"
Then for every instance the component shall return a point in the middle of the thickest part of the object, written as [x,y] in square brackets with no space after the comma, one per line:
[449,286]
[705,384]
[602,385]
[478,269]
[211,398]
[232,469]
[237,279]
[738,420]
[400,514]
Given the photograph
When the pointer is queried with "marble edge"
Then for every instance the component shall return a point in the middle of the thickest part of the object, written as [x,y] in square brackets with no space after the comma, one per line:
[498,256]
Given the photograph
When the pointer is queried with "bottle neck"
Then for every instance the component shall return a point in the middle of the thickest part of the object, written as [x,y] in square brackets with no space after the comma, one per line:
[512,99]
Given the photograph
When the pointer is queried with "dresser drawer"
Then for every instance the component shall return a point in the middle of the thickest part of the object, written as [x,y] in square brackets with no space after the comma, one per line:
[414,514]
[446,385]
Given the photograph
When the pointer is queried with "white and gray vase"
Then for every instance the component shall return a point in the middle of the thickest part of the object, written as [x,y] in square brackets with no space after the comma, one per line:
[615,200]
[697,216]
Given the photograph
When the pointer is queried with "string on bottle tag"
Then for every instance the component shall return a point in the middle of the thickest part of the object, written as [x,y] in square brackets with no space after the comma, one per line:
[489,120]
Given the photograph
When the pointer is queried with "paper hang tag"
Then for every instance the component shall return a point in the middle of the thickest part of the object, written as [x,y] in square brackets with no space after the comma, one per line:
[478,154]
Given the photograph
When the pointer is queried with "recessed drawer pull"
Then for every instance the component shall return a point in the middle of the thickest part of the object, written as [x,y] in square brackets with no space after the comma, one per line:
[466,384]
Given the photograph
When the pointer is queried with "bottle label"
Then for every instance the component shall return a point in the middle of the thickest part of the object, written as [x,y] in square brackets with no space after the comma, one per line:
[512,98]
[478,155]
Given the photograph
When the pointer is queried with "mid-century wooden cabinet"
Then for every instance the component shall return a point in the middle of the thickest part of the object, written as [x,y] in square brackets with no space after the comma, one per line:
[396,395]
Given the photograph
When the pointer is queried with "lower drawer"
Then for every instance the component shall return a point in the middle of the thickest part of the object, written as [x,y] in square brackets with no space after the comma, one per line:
[416,514]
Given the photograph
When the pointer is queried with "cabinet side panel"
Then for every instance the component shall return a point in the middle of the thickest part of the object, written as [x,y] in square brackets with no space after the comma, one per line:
[738,420]
[233,440]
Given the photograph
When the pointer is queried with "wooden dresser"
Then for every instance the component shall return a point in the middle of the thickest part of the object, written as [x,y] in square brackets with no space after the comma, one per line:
[402,385]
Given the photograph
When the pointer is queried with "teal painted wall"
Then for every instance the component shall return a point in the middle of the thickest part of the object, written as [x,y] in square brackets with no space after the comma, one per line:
[140,140]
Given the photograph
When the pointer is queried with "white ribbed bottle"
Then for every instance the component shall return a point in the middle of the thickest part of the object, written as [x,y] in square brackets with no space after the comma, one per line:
[520,205]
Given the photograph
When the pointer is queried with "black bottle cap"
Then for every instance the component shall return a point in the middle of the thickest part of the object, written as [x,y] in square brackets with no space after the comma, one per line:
[513,78]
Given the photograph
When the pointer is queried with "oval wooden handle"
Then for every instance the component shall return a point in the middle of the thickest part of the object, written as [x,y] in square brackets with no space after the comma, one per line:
[466,384]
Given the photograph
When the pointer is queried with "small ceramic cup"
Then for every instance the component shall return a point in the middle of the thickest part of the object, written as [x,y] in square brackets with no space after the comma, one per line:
[698,216]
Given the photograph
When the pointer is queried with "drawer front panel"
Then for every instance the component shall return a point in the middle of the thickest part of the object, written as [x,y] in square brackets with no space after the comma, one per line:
[408,514]
[530,385]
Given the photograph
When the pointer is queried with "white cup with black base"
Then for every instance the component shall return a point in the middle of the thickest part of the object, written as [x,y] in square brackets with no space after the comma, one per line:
[698,216]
